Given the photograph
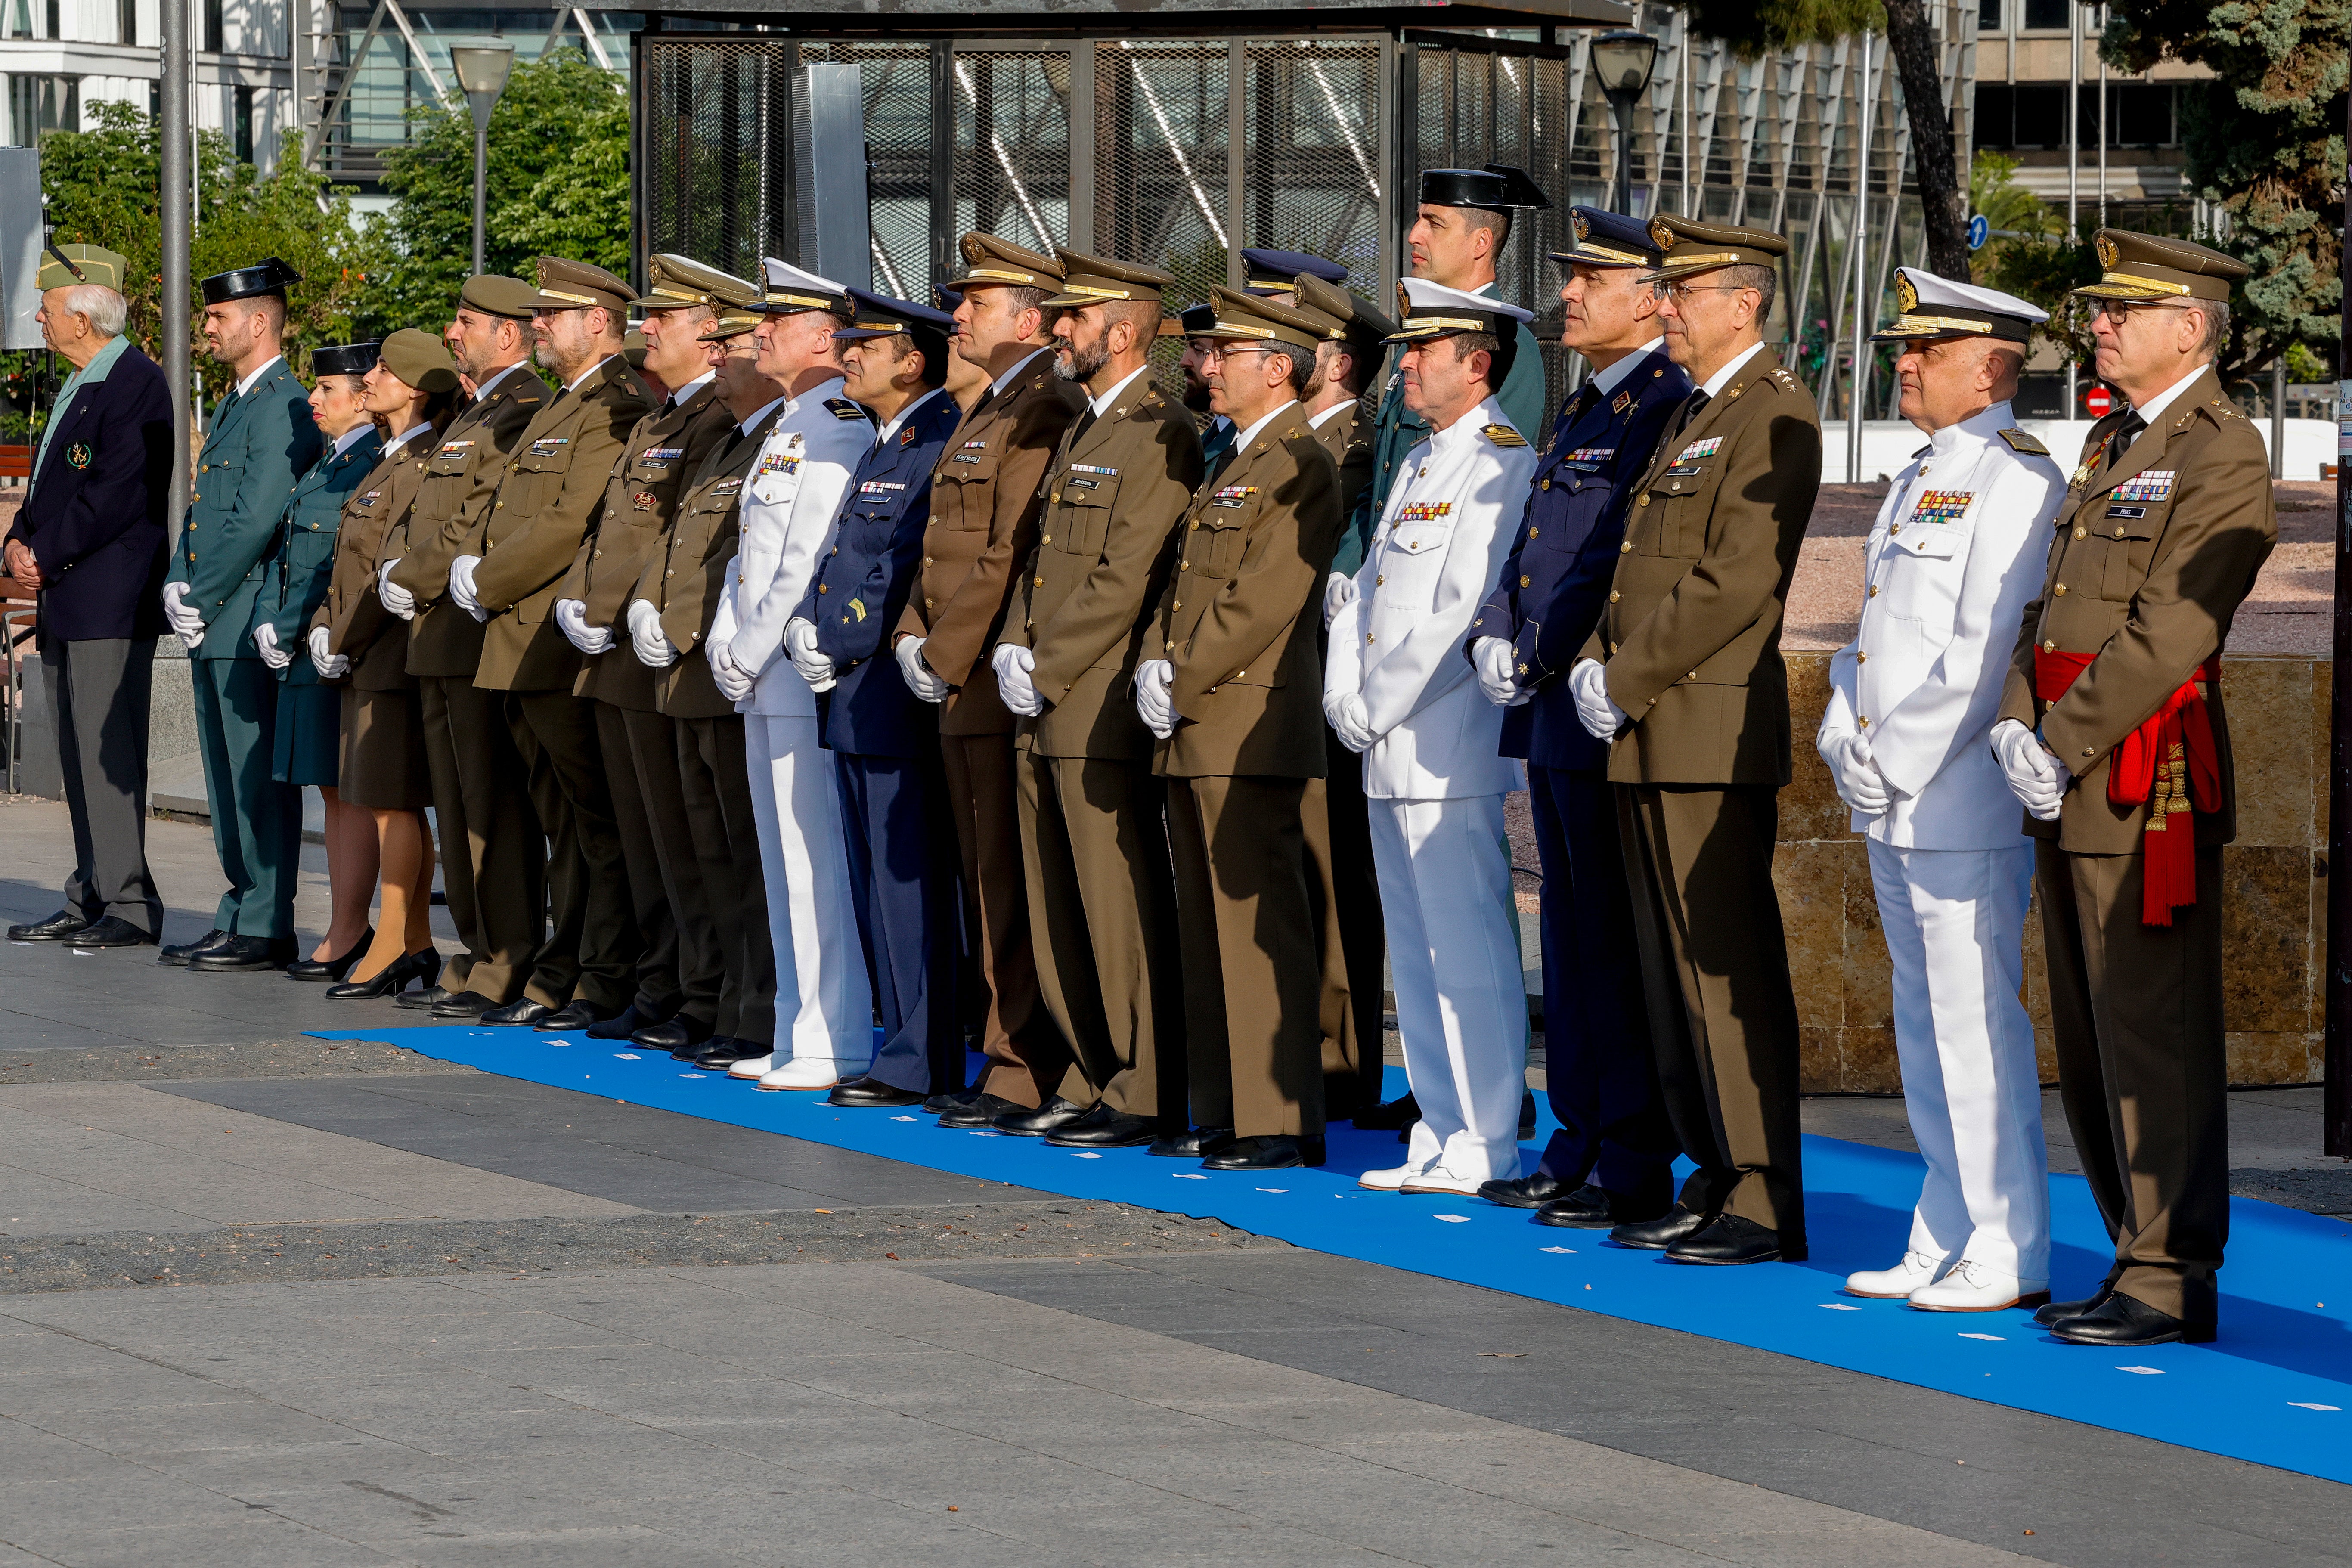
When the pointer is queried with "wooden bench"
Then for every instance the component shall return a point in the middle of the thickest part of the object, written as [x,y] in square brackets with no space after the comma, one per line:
[15,462]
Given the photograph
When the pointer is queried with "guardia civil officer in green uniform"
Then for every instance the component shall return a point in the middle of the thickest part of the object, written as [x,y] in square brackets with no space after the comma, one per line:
[262,437]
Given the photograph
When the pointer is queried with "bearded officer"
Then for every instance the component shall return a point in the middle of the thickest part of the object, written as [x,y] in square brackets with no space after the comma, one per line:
[1397,689]
[1102,910]
[262,437]
[1948,571]
[2112,732]
[680,970]
[1683,677]
[1611,1161]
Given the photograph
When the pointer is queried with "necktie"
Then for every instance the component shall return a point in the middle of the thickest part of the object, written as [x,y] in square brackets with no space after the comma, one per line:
[1224,461]
[2126,433]
[1085,423]
[1691,411]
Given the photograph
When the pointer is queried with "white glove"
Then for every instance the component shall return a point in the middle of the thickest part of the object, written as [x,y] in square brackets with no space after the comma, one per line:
[396,599]
[1589,684]
[1012,664]
[329,666]
[1855,775]
[1348,720]
[1339,592]
[734,681]
[920,678]
[1153,704]
[1499,678]
[654,649]
[572,617]
[461,586]
[264,640]
[185,623]
[2035,778]
[815,665]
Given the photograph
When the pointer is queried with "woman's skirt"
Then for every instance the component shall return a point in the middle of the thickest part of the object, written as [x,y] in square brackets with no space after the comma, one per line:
[309,726]
[383,750]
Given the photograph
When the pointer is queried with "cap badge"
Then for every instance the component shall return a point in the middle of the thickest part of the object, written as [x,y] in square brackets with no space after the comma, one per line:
[1582,226]
[1661,235]
[1907,294]
[2107,251]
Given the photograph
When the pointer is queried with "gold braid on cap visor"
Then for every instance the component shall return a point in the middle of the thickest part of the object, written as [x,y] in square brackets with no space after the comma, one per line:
[1445,324]
[1257,335]
[658,291]
[2132,280]
[1712,258]
[1000,275]
[586,299]
[1937,324]
[1092,293]
[811,301]
[1585,247]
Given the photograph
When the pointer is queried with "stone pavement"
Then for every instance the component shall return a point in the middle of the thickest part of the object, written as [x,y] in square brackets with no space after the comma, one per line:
[265,1298]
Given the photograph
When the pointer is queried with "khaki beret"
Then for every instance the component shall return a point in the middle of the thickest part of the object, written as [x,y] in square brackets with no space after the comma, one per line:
[420,360]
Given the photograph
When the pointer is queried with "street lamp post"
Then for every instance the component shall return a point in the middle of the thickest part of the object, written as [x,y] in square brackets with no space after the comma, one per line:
[482,73]
[1623,62]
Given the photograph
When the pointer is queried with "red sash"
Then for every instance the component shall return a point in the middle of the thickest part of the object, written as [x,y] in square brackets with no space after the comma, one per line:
[2169,764]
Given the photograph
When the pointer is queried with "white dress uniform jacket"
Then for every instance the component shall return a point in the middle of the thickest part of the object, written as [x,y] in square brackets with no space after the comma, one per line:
[1441,538]
[1950,567]
[785,526]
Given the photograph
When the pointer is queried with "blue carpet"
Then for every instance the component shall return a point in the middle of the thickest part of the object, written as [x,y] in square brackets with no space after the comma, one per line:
[2275,1389]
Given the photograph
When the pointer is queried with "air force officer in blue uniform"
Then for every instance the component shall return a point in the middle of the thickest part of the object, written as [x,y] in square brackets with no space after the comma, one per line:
[1609,1163]
[883,740]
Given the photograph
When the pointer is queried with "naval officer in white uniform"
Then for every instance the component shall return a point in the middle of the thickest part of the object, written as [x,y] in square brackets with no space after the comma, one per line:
[1398,689]
[1955,556]
[824,1000]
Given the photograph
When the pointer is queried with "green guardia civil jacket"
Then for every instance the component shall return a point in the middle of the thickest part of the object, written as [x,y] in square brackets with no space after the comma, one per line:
[295,576]
[260,441]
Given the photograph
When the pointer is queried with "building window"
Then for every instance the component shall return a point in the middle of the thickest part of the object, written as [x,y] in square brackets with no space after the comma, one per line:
[40,104]
[2046,15]
[2143,114]
[1988,17]
[243,98]
[212,27]
[50,8]
[126,21]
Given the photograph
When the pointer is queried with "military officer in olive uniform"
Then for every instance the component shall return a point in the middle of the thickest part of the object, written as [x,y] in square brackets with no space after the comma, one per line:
[493,853]
[1093,814]
[680,970]
[985,497]
[1684,678]
[262,437]
[1232,682]
[2112,732]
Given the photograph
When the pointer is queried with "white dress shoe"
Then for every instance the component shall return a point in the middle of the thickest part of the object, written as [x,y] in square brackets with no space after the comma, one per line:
[752,1066]
[1892,1284]
[1970,1287]
[1389,1180]
[803,1072]
[1438,1179]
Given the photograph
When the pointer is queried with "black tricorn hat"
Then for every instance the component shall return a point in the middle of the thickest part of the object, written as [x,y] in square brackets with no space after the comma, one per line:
[1497,187]
[345,359]
[268,276]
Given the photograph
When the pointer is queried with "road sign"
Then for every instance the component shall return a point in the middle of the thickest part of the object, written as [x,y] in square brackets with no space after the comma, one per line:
[2099,402]
[1978,232]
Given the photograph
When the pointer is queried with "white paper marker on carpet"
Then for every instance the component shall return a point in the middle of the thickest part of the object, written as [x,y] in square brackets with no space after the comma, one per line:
[1997,1339]
[1837,1307]
[2300,1404]
[2143,1370]
[1555,1249]
[1453,1218]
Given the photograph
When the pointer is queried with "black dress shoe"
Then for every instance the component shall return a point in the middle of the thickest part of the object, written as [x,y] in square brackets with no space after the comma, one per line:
[1532,1191]
[463,1004]
[620,1025]
[522,1010]
[180,952]
[1586,1208]
[111,931]
[2050,1312]
[948,1100]
[56,928]
[1055,1114]
[573,1015]
[1192,1142]
[721,1054]
[1259,1154]
[1103,1127]
[980,1110]
[1727,1240]
[871,1094]
[671,1034]
[243,954]
[1397,1116]
[423,964]
[2126,1322]
[331,969]
[423,1001]
[1657,1234]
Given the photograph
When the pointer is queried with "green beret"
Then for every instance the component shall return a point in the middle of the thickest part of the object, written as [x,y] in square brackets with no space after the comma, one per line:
[420,360]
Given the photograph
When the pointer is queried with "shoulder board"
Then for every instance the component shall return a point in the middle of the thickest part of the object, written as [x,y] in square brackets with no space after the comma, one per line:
[2019,441]
[2223,409]
[1503,435]
[844,409]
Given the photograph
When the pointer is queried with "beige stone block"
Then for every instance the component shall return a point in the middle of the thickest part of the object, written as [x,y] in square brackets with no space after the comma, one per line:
[1871,1063]
[1810,807]
[1869,974]
[2268,1057]
[1810,879]
[2267,698]
[2266,939]
[1818,1070]
[2323,700]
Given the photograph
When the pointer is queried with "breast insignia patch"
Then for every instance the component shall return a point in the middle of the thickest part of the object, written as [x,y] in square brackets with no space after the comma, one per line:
[78,455]
[844,409]
[2019,441]
[1503,435]
[1621,403]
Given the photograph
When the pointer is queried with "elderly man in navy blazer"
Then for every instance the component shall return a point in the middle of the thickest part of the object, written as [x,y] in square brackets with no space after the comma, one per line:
[262,437]
[89,539]
[885,741]
[1610,1162]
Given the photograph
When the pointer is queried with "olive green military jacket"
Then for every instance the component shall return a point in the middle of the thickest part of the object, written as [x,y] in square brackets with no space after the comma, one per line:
[358,626]
[663,451]
[685,573]
[986,496]
[1344,436]
[461,478]
[553,488]
[1114,497]
[1242,618]
[1691,635]
[2149,561]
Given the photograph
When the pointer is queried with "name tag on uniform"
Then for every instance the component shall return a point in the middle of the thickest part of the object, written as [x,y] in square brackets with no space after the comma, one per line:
[643,500]
[1424,511]
[1078,484]
[2156,484]
[967,457]
[879,487]
[1685,469]
[1233,495]
[1942,506]
[371,498]
[2127,512]
[1697,449]
[547,445]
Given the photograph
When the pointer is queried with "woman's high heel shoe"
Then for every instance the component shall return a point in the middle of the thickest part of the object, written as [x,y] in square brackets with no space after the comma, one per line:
[423,964]
[316,969]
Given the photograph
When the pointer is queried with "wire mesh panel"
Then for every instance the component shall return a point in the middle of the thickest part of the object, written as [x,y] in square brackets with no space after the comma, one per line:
[1312,159]
[896,90]
[1013,143]
[715,139]
[1160,139]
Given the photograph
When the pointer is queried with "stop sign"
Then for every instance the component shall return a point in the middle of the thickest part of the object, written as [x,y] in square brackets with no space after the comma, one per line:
[2099,401]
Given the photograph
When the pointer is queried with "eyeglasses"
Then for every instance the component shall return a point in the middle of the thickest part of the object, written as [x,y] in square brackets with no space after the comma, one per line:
[1681,292]
[1211,353]
[2115,310]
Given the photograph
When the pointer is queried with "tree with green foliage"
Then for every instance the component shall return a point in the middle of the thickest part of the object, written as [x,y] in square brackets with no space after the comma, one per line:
[557,185]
